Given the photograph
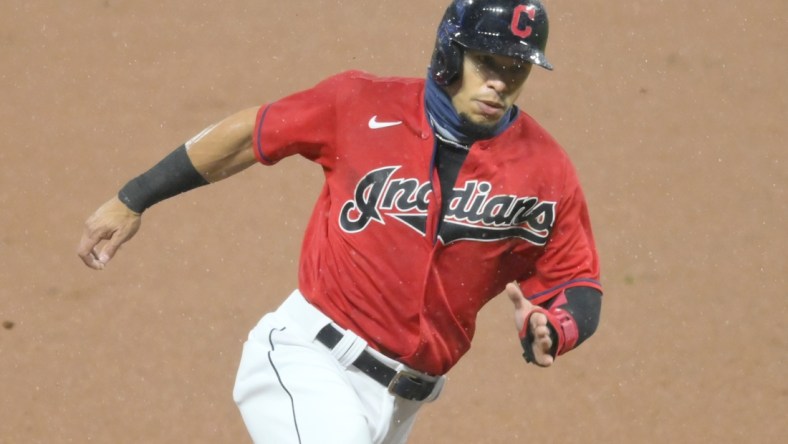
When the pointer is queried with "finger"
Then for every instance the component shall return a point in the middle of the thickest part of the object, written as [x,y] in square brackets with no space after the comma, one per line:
[515,295]
[541,332]
[544,360]
[521,306]
[87,252]
[110,248]
[541,349]
[94,253]
[543,342]
[538,320]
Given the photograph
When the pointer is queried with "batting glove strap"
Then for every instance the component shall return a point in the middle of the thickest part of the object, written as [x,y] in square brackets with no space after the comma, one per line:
[563,331]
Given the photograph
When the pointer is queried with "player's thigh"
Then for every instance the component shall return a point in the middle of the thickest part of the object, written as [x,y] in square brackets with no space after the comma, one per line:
[288,392]
[402,419]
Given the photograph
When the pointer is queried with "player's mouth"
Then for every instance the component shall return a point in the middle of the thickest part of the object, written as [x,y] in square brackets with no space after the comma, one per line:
[490,109]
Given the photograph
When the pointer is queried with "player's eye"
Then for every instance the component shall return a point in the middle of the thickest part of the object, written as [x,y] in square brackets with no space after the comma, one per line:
[489,62]
[510,68]
[516,67]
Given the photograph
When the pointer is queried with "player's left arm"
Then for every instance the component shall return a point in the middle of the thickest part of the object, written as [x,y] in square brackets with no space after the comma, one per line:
[564,294]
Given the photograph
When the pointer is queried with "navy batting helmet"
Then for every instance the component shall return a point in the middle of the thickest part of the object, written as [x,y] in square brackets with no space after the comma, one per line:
[512,28]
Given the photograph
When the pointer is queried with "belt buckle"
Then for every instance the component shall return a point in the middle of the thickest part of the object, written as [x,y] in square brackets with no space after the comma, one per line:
[414,378]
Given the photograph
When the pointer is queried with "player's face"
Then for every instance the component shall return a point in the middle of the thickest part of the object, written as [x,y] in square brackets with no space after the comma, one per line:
[489,86]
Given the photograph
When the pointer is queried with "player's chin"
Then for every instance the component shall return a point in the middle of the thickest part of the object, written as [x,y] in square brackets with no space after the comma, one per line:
[479,126]
[489,121]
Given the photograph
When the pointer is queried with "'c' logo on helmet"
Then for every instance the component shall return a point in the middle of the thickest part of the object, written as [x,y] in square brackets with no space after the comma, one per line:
[529,10]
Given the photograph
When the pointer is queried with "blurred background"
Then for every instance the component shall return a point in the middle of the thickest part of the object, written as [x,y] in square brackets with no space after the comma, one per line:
[674,113]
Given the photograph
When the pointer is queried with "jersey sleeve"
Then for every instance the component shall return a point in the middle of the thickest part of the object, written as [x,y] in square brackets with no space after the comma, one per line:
[303,123]
[570,258]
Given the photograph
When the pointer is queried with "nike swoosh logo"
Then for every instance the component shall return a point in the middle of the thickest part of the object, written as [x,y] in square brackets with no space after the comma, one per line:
[374,124]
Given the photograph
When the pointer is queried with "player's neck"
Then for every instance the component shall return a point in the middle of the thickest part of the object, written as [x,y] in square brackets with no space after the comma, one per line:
[451,126]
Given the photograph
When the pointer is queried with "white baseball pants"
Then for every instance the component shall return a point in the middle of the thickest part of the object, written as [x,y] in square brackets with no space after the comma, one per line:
[292,389]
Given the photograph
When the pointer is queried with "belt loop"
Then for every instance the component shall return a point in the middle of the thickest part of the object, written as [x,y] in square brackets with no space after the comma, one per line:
[348,348]
[404,372]
[436,391]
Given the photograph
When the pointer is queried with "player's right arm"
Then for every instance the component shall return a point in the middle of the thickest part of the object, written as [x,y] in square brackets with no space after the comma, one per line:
[216,153]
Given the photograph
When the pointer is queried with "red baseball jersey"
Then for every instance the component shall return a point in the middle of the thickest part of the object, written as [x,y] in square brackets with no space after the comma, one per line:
[372,258]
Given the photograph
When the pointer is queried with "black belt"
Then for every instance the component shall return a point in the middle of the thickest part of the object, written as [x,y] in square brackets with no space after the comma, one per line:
[408,385]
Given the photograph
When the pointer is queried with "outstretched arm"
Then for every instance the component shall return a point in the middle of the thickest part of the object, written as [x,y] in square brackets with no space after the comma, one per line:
[216,153]
[225,148]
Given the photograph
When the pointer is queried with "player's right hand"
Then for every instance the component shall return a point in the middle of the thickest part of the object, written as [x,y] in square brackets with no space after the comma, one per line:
[113,223]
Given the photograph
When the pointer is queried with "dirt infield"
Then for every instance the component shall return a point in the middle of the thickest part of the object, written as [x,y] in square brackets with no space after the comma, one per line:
[674,112]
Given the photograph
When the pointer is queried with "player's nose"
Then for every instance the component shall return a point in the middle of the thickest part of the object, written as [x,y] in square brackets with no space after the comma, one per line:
[496,83]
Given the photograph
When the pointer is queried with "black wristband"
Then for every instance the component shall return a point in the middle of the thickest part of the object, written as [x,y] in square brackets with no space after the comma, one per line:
[173,175]
[585,305]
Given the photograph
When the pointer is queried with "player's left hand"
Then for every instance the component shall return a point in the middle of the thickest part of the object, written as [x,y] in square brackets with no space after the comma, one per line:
[538,324]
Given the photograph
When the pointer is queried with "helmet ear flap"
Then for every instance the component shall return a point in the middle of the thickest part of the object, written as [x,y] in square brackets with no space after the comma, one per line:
[446,62]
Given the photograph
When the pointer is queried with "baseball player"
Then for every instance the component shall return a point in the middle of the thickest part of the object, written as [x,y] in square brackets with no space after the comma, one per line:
[439,194]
